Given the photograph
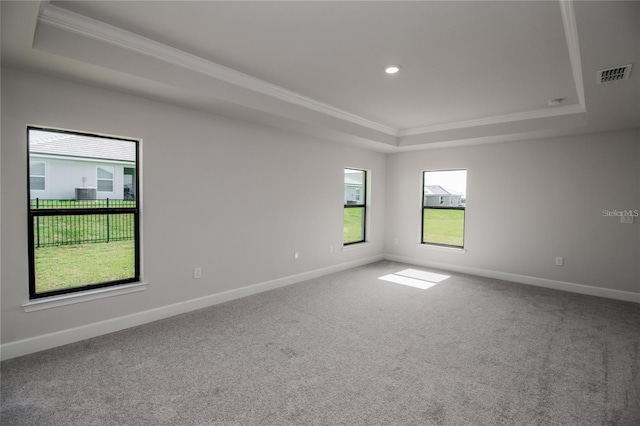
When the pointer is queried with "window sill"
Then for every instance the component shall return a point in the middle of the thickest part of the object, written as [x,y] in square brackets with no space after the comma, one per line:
[355,246]
[442,248]
[85,296]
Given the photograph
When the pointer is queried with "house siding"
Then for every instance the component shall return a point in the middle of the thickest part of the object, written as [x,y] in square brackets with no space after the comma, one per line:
[63,176]
[449,200]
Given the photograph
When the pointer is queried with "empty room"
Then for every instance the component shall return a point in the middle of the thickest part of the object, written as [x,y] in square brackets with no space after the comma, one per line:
[319,212]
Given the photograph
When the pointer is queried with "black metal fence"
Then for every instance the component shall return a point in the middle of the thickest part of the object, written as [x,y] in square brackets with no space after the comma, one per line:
[68,222]
[38,203]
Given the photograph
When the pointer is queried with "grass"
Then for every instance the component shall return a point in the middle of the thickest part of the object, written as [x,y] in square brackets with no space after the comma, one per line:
[353,225]
[84,228]
[77,265]
[62,261]
[442,226]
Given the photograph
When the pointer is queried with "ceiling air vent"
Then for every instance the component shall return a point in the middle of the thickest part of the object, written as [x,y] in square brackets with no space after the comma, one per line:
[614,74]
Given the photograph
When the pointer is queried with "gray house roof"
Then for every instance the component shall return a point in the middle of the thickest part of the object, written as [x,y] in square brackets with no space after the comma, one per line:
[439,190]
[70,145]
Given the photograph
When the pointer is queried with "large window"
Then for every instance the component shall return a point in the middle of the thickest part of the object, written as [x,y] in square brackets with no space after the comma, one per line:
[85,234]
[443,207]
[355,206]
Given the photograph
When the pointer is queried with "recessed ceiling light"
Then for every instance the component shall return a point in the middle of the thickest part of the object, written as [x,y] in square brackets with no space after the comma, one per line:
[392,69]
[555,102]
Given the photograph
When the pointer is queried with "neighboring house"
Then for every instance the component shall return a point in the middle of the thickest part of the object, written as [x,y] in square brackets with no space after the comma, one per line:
[66,167]
[353,187]
[438,196]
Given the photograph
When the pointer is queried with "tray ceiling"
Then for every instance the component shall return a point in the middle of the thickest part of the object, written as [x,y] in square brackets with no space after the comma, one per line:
[470,72]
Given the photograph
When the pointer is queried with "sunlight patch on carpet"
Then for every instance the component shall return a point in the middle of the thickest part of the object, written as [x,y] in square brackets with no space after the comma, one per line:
[415,278]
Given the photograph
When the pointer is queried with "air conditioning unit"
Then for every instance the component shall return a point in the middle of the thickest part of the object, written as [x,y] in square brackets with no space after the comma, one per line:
[85,194]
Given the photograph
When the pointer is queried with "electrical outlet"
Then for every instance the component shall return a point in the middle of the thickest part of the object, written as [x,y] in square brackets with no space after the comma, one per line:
[296,255]
[559,261]
[197,273]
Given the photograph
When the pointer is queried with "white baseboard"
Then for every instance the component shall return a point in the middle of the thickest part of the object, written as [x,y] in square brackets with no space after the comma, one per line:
[76,334]
[627,296]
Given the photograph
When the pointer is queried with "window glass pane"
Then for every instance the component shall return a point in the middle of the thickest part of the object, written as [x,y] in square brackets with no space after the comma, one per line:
[76,250]
[354,181]
[104,173]
[105,185]
[36,183]
[443,216]
[68,266]
[37,168]
[443,226]
[353,225]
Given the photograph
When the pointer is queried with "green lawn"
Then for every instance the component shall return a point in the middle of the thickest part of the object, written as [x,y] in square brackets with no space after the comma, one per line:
[85,228]
[443,227]
[76,265]
[353,225]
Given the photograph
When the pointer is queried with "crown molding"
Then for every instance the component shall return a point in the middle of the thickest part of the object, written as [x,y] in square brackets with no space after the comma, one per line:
[88,27]
[571,34]
[498,119]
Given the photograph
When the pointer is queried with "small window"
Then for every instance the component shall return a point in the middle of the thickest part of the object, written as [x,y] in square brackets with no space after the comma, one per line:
[76,241]
[105,179]
[37,175]
[355,206]
[443,210]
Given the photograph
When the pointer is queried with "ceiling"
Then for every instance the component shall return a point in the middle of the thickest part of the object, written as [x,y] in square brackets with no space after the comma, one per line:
[470,72]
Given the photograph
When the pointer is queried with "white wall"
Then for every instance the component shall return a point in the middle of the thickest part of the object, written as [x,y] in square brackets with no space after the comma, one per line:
[198,169]
[216,193]
[528,202]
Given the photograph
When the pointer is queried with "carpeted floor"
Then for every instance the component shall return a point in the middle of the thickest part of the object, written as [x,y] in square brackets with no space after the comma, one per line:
[350,349]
